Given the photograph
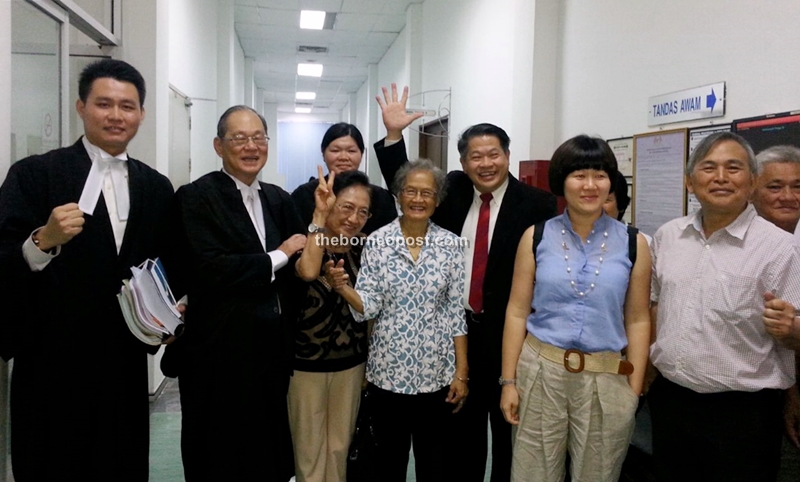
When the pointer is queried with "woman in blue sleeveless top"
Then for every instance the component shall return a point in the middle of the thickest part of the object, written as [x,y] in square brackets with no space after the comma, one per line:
[576,303]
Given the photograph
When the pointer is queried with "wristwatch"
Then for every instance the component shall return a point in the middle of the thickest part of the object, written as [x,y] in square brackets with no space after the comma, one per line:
[507,381]
[313,228]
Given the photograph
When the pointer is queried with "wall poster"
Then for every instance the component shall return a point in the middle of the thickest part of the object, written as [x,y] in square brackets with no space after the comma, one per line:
[659,159]
[623,149]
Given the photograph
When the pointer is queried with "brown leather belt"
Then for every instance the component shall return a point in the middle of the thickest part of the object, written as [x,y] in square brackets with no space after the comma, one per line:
[576,361]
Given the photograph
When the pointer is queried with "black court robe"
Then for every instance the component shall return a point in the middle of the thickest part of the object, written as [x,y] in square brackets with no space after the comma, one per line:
[236,353]
[79,405]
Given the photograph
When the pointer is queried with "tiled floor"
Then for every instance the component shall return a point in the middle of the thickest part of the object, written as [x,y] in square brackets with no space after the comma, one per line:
[165,454]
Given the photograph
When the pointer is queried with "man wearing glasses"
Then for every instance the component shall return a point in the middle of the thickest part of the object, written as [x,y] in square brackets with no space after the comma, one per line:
[239,238]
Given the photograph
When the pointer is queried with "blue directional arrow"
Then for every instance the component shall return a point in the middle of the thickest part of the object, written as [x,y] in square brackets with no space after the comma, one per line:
[711,100]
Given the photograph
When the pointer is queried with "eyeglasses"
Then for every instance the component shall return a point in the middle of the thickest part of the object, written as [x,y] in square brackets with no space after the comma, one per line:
[411,193]
[348,210]
[240,140]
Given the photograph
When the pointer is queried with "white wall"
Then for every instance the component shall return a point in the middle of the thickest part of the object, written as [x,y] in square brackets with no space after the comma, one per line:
[145,45]
[204,129]
[392,68]
[193,47]
[238,73]
[615,54]
[469,46]
[270,172]
[192,68]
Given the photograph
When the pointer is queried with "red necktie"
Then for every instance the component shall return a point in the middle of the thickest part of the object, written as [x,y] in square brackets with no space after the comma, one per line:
[480,255]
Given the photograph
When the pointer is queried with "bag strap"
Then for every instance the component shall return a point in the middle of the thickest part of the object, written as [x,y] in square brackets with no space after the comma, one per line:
[632,244]
[538,232]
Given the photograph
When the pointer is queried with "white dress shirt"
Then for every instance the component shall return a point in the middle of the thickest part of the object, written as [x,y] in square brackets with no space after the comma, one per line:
[471,226]
[278,257]
[109,175]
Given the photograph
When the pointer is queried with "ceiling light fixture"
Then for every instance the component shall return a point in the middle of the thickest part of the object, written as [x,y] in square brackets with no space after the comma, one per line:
[312,19]
[305,95]
[311,70]
[302,110]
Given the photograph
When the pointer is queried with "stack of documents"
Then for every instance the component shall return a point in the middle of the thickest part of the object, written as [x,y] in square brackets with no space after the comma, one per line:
[148,305]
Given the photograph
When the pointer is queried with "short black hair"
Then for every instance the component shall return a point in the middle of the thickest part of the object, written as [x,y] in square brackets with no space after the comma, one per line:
[580,152]
[482,130]
[222,125]
[342,129]
[114,69]
[352,178]
[620,189]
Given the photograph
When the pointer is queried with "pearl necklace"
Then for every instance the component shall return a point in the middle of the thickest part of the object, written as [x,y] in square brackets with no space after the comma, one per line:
[569,270]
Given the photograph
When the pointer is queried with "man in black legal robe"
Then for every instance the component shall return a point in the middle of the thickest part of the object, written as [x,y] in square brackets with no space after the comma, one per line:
[79,406]
[239,237]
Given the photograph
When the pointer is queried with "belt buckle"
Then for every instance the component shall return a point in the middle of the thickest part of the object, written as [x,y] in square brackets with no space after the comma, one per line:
[581,359]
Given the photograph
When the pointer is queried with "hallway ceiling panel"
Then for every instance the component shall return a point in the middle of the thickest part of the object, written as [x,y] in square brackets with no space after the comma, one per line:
[269,31]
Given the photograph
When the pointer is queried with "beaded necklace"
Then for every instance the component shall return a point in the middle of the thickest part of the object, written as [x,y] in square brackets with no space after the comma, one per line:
[569,270]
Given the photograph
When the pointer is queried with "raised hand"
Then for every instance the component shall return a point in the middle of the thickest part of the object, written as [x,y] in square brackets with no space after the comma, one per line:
[395,117]
[324,198]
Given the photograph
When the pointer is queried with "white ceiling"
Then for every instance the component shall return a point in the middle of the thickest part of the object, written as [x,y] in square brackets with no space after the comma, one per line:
[270,33]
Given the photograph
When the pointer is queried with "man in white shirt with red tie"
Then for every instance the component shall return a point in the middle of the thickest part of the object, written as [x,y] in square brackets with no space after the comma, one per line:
[491,208]
[72,223]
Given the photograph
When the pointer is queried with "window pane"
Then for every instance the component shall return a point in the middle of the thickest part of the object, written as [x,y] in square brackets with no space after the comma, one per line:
[100,10]
[35,81]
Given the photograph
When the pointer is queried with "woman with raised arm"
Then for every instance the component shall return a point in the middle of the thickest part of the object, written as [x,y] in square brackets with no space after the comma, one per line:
[330,347]
[580,295]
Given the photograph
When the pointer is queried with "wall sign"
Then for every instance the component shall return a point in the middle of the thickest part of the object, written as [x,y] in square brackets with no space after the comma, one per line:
[691,104]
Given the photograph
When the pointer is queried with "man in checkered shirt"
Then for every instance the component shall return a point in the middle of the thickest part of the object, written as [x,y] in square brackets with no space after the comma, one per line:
[724,334]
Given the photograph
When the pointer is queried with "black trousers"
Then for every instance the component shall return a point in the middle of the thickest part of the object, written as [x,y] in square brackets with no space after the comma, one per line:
[470,425]
[398,420]
[730,436]
[235,422]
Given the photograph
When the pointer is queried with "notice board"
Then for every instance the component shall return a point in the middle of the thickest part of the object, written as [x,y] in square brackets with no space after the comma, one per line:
[659,160]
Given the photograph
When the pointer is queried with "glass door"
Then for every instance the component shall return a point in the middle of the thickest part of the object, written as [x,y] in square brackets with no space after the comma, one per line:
[36,78]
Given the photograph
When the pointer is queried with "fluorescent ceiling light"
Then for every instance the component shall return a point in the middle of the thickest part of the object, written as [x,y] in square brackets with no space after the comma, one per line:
[305,95]
[311,70]
[313,19]
[302,110]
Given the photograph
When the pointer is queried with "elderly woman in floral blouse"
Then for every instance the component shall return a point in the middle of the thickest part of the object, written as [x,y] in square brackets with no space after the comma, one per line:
[411,282]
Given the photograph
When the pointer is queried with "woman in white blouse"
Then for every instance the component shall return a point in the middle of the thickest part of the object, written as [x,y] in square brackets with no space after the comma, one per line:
[411,282]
